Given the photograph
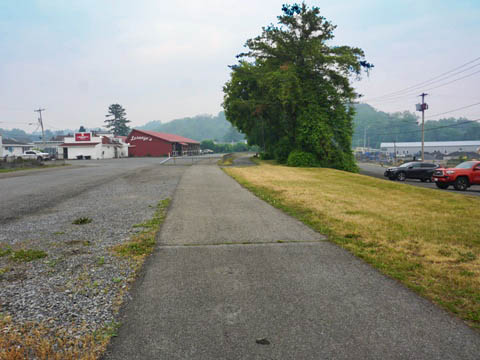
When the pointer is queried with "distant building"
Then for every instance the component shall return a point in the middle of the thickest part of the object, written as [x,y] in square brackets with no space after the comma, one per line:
[444,147]
[87,145]
[151,143]
[12,147]
[52,146]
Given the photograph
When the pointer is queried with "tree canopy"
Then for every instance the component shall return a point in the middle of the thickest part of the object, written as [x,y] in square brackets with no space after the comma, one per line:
[291,90]
[116,120]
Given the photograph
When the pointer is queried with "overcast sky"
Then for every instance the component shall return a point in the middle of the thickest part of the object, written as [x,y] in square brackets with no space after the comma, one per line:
[164,60]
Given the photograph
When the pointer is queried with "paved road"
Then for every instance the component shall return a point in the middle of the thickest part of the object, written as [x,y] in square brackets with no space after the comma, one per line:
[230,270]
[377,171]
[25,192]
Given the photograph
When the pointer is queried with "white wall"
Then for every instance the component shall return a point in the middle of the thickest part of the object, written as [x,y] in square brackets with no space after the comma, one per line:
[74,151]
[97,152]
[17,150]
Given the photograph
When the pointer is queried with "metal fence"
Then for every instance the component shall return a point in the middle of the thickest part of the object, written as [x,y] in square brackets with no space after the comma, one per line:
[192,160]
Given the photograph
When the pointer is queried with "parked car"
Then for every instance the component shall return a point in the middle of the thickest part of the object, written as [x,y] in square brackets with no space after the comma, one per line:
[411,170]
[34,155]
[461,176]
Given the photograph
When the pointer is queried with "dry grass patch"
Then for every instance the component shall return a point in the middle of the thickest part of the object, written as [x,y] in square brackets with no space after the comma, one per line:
[427,239]
[39,341]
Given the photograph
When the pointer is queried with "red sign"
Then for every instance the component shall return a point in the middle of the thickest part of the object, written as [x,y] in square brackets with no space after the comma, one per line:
[83,136]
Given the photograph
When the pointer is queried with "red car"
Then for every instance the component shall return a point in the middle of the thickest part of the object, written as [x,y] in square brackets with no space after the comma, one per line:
[461,176]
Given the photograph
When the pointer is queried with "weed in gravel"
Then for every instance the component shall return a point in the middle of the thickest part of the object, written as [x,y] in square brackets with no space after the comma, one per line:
[26,255]
[59,233]
[108,331]
[82,221]
[101,260]
[116,280]
[86,243]
[53,262]
[5,252]
[143,243]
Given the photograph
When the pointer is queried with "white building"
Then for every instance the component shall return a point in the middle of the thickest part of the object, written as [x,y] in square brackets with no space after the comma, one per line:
[89,145]
[1,147]
[11,147]
[52,146]
[444,147]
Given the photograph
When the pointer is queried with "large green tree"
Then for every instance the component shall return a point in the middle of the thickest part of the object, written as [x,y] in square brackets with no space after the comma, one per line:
[116,120]
[291,90]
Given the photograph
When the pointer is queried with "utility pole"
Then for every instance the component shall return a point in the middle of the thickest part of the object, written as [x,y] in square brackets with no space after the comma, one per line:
[395,151]
[364,137]
[422,107]
[40,121]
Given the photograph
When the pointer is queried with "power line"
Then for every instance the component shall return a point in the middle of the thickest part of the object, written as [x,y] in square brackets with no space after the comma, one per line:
[461,108]
[428,82]
[446,112]
[429,89]
[430,129]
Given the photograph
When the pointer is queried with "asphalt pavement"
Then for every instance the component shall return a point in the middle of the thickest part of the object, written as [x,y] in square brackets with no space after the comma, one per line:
[377,171]
[234,278]
[30,191]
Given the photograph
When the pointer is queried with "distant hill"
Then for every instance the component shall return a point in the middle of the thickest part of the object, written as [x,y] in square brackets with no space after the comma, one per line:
[200,127]
[374,127]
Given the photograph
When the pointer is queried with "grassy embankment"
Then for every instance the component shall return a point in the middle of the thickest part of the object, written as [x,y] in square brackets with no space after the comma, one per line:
[40,341]
[428,240]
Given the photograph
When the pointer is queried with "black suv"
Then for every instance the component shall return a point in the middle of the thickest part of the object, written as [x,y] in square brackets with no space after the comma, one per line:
[411,170]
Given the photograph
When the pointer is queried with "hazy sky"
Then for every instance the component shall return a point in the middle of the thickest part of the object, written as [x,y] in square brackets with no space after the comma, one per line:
[165,60]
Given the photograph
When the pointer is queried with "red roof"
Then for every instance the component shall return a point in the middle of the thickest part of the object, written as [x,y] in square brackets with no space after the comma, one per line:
[168,137]
[79,144]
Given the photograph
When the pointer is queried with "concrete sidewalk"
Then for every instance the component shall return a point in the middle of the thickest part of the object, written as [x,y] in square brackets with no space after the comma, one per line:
[220,281]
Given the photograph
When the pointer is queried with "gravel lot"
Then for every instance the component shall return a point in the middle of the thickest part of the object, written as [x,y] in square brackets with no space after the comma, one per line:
[79,284]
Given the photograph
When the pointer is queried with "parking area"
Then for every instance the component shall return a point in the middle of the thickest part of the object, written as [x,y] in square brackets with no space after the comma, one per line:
[377,171]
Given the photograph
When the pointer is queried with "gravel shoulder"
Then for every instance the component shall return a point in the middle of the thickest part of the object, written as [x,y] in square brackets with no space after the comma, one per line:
[80,283]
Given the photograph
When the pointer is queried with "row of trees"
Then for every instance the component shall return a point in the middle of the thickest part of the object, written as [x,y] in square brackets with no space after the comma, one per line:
[227,148]
[290,91]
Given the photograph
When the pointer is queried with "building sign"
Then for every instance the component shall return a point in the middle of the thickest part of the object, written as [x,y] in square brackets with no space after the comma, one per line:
[83,136]
[143,138]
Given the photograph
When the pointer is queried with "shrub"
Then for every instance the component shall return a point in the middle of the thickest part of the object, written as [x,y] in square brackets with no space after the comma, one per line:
[299,158]
[266,156]
[282,150]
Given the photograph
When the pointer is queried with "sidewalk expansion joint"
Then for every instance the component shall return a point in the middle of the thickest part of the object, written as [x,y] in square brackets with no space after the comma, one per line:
[247,243]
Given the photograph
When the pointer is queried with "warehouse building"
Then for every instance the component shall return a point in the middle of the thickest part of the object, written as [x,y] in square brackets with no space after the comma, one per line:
[151,143]
[444,147]
[88,145]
